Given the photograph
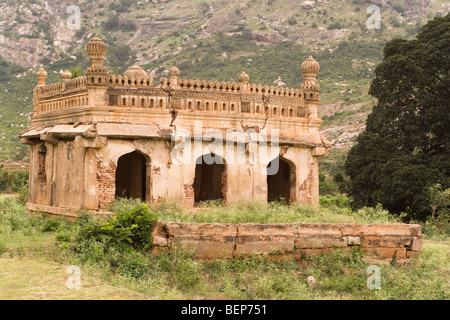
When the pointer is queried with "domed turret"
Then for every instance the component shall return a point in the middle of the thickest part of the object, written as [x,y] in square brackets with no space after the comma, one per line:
[174,77]
[174,72]
[135,72]
[243,77]
[66,75]
[310,68]
[96,50]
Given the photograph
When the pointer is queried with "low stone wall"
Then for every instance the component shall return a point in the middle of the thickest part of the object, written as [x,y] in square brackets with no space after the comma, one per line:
[227,241]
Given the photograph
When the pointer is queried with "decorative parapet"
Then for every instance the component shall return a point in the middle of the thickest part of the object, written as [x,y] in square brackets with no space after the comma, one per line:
[119,80]
[61,95]
[135,89]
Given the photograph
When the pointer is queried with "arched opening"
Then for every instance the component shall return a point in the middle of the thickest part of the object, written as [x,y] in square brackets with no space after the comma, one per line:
[131,176]
[210,178]
[280,181]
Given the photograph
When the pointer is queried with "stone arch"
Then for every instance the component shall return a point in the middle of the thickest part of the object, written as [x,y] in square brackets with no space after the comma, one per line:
[210,180]
[132,176]
[281,180]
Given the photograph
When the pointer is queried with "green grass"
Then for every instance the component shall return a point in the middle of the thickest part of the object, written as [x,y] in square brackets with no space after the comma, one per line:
[334,209]
[35,253]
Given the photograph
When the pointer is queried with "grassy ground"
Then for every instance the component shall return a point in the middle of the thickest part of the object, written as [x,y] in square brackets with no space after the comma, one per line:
[35,253]
[334,209]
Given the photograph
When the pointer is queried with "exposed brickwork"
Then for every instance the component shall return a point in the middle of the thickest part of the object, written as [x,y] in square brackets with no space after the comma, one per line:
[304,194]
[188,195]
[106,175]
[224,182]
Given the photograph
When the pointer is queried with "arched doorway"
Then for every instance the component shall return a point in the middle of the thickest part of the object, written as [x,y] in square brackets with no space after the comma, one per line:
[280,181]
[210,178]
[131,176]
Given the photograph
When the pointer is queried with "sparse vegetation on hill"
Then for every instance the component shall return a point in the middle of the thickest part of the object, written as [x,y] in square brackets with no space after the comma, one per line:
[267,39]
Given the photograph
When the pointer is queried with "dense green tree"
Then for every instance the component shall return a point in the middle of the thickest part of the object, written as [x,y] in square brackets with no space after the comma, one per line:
[405,147]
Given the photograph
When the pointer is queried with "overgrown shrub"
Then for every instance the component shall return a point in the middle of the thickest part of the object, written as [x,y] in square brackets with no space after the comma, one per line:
[12,181]
[133,223]
[51,225]
[336,200]
[116,243]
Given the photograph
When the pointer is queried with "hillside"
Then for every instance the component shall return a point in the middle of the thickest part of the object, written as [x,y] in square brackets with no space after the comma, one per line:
[208,40]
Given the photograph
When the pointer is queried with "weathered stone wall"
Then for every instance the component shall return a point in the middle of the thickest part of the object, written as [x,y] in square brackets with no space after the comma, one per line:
[383,242]
[81,127]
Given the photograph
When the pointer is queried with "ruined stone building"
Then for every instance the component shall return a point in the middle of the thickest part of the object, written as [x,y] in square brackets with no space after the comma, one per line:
[99,136]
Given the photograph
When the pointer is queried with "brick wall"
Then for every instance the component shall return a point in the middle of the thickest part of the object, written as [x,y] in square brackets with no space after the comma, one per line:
[106,176]
[221,240]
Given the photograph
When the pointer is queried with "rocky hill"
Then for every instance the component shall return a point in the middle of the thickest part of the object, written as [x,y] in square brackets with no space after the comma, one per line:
[208,40]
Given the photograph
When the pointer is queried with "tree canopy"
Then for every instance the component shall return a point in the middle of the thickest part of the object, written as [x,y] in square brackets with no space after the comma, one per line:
[405,147]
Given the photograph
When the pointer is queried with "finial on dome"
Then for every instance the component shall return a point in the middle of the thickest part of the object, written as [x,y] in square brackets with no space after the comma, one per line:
[41,74]
[66,75]
[96,50]
[174,77]
[174,72]
[243,77]
[310,68]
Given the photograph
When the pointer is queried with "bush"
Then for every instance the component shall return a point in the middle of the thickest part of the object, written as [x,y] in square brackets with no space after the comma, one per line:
[376,215]
[335,200]
[292,21]
[63,237]
[51,225]
[108,242]
[133,223]
[12,181]
[335,25]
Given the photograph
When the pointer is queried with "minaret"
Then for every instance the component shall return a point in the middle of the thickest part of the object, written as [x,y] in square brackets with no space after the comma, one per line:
[310,90]
[97,73]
